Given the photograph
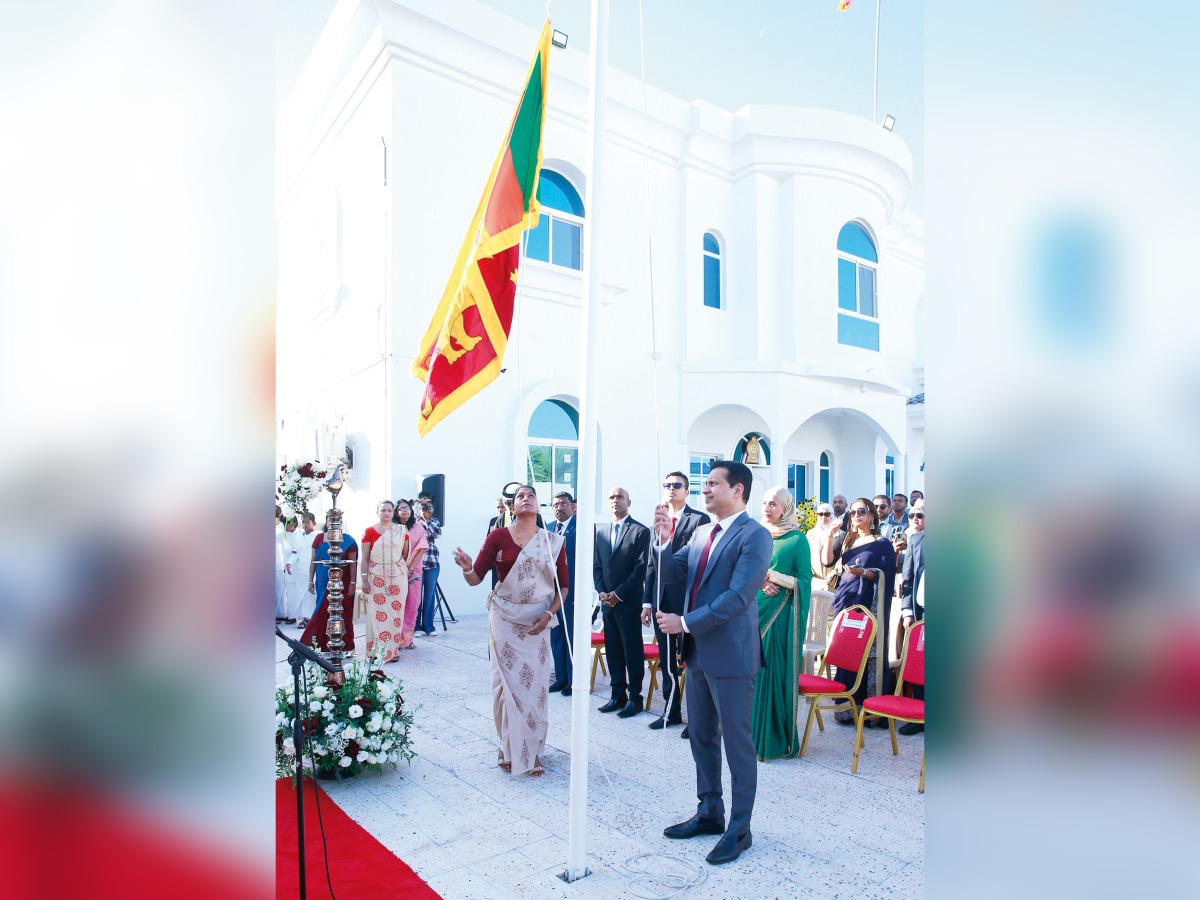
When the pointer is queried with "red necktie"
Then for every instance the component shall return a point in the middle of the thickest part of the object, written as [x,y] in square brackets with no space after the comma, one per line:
[702,566]
[672,537]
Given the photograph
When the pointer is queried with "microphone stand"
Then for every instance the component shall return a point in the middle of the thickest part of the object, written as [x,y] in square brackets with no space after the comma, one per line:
[296,658]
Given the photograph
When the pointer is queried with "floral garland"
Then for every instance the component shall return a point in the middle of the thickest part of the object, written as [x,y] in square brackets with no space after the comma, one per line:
[299,483]
[361,725]
[806,514]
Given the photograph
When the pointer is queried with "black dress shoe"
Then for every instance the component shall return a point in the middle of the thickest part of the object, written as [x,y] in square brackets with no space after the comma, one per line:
[566,691]
[684,733]
[632,708]
[729,848]
[910,728]
[696,826]
[662,722]
[557,686]
[613,705]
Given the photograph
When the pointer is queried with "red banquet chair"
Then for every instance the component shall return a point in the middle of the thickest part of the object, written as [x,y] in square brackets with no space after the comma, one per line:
[598,656]
[850,643]
[897,706]
[652,659]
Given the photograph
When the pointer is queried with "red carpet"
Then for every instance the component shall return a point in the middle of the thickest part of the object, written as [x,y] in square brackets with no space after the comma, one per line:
[360,867]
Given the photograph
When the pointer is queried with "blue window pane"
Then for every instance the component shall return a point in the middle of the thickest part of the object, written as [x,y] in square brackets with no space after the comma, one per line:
[824,484]
[537,240]
[711,245]
[891,460]
[565,244]
[825,460]
[712,282]
[858,332]
[847,297]
[853,239]
[555,192]
[866,291]
[694,469]
[555,420]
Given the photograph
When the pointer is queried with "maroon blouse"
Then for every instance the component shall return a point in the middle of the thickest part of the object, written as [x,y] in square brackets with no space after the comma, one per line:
[500,550]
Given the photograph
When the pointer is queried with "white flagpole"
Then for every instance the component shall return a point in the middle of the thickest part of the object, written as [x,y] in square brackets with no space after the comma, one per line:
[585,485]
[875,92]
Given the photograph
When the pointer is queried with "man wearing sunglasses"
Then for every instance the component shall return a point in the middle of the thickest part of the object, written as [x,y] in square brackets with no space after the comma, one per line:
[684,521]
[912,575]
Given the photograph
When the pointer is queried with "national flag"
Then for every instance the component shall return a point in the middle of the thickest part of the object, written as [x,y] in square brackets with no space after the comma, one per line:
[463,349]
[844,5]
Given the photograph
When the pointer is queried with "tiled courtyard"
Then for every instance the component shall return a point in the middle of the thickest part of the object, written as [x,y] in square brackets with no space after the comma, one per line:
[472,831]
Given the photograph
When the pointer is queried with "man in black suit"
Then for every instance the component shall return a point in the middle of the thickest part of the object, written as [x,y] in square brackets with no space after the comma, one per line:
[619,572]
[723,567]
[499,520]
[562,639]
[910,610]
[684,521]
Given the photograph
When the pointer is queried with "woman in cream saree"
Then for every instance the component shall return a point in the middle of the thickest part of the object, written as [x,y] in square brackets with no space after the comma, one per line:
[532,569]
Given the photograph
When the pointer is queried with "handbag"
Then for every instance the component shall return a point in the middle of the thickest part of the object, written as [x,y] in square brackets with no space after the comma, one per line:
[831,582]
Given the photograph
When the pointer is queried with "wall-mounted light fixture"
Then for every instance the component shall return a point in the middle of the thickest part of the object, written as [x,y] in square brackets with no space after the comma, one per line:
[558,38]
[889,122]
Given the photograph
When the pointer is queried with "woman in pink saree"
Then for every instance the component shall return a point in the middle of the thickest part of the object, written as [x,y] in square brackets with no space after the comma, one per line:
[418,544]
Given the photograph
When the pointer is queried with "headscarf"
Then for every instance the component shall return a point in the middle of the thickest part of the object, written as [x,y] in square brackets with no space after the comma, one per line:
[787,521]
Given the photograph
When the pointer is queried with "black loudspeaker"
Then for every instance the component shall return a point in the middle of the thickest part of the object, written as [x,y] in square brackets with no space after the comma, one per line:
[435,486]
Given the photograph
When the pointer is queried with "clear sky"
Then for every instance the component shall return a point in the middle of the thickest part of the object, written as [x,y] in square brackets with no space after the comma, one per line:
[772,52]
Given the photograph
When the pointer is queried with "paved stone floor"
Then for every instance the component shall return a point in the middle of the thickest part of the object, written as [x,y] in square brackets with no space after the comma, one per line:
[471,831]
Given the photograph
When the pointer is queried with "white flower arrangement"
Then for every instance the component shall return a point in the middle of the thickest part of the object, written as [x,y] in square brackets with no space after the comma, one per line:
[348,729]
[299,483]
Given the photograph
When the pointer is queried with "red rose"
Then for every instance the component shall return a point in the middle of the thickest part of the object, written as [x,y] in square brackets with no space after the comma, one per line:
[377,675]
[351,750]
[366,704]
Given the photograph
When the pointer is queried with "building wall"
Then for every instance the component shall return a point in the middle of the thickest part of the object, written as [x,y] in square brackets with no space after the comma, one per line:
[363,265]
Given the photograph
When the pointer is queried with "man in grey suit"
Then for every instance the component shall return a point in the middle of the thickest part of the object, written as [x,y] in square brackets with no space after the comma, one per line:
[619,572]
[669,598]
[723,567]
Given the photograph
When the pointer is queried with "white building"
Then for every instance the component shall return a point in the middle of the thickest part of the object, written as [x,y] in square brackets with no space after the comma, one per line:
[761,277]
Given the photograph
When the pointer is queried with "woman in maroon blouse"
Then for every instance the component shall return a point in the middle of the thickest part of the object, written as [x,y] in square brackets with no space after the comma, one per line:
[521,609]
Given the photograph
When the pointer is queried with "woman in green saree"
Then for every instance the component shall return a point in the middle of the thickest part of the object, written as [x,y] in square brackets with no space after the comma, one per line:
[782,622]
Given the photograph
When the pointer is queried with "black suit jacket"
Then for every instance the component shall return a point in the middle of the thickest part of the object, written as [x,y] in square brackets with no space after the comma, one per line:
[672,594]
[622,568]
[569,539]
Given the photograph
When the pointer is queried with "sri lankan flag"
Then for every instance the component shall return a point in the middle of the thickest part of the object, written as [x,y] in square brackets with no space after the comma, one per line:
[463,349]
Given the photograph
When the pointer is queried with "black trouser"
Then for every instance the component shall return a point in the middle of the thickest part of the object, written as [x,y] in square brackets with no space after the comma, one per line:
[623,647]
[668,668]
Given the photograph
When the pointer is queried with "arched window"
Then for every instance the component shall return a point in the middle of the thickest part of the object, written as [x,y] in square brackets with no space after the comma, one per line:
[826,478]
[889,475]
[712,270]
[798,480]
[858,315]
[558,237]
[551,464]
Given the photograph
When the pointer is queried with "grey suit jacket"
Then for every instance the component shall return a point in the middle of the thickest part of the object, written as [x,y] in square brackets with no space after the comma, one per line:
[724,623]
